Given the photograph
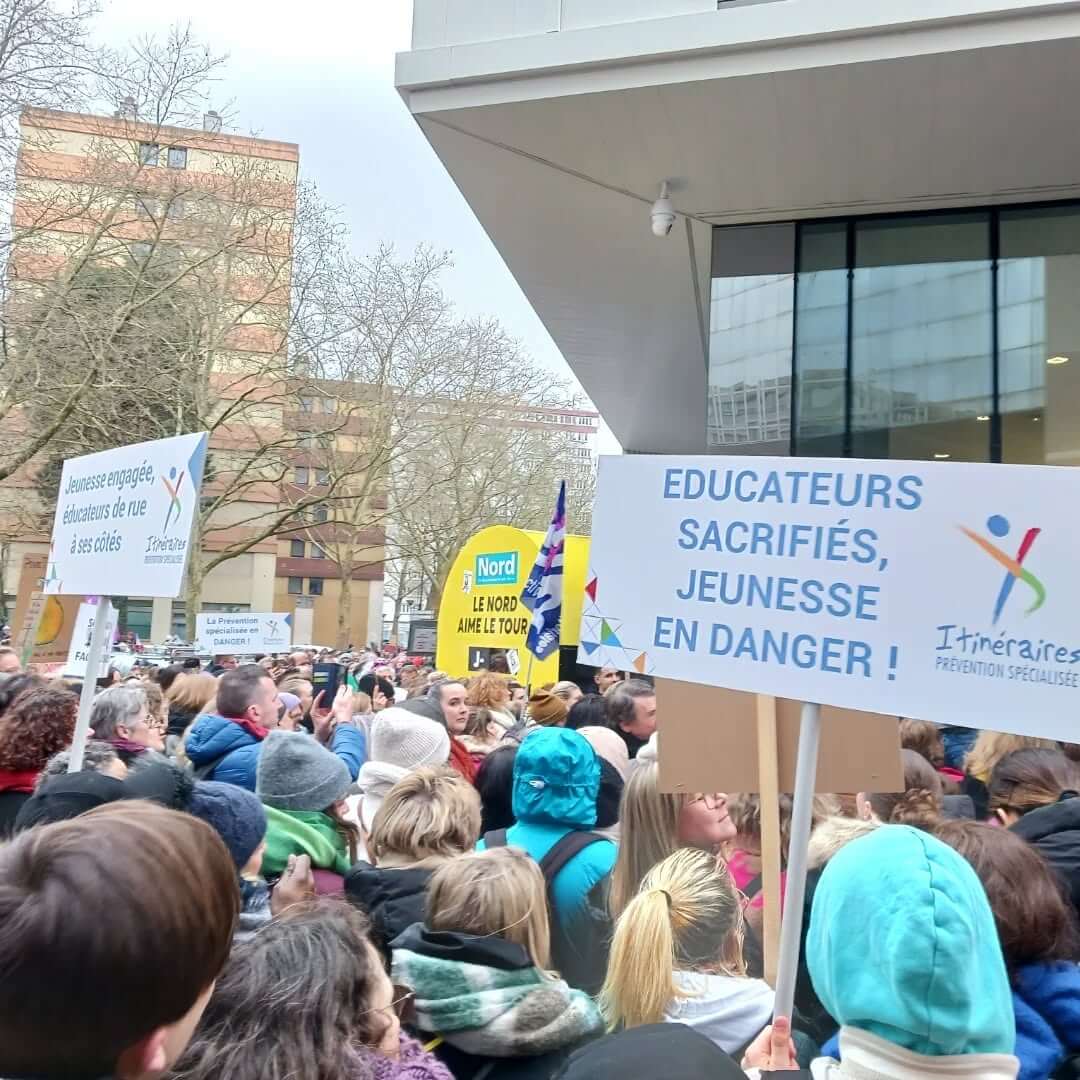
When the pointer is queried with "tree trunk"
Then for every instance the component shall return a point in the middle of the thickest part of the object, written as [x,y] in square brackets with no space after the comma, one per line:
[344,607]
[193,591]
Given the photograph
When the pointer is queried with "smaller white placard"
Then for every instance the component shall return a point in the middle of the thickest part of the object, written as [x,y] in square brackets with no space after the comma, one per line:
[223,632]
[79,651]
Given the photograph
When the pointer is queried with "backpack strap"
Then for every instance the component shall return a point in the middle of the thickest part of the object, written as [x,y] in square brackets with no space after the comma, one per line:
[203,771]
[562,851]
[495,838]
[753,887]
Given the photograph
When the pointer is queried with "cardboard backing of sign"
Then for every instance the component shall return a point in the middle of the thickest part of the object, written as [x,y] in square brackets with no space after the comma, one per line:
[55,620]
[708,742]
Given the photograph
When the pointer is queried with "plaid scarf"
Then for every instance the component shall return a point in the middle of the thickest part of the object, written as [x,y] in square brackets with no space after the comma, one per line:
[492,1012]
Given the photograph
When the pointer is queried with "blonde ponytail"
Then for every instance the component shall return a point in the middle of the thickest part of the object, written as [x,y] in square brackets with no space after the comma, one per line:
[640,980]
[686,916]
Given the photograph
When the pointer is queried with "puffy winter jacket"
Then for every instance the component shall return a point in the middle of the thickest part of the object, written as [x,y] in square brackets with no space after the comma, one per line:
[556,783]
[236,751]
[1054,831]
[394,898]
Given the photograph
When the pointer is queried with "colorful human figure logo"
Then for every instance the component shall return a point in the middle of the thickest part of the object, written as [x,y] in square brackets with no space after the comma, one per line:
[174,495]
[1015,570]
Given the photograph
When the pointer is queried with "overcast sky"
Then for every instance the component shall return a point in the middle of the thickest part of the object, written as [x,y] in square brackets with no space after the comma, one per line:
[321,73]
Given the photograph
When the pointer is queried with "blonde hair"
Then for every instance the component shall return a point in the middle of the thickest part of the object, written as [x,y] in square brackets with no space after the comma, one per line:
[565,689]
[494,893]
[428,813]
[487,689]
[649,832]
[687,916]
[991,746]
[192,692]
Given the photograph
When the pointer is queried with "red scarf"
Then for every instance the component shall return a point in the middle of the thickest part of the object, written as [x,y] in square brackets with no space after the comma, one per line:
[461,760]
[256,731]
[19,781]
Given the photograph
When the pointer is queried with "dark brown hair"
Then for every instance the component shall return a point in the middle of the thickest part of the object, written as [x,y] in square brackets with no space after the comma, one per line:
[111,926]
[1035,922]
[1027,779]
[40,723]
[294,1001]
[924,738]
[237,689]
[920,802]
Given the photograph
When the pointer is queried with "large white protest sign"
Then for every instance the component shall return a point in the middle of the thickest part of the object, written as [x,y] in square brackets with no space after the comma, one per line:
[222,632]
[123,519]
[81,638]
[946,592]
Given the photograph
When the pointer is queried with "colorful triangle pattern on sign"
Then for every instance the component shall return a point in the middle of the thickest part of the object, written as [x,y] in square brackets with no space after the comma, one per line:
[602,635]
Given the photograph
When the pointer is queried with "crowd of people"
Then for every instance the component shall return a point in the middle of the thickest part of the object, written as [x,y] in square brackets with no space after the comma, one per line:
[439,878]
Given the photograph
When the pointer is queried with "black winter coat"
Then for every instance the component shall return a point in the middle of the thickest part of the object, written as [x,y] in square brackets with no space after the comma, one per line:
[393,899]
[10,805]
[1054,831]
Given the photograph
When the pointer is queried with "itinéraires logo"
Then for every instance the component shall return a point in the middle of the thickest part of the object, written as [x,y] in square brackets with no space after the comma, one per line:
[1015,570]
[174,495]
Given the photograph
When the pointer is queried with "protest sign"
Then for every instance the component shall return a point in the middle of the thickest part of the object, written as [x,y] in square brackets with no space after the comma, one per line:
[222,632]
[710,741]
[945,592]
[81,638]
[123,519]
[41,625]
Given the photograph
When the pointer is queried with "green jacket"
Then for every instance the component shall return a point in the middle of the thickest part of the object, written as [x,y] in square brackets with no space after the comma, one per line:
[303,832]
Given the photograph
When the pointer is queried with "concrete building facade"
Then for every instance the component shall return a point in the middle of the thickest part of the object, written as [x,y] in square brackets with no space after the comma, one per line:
[875,248]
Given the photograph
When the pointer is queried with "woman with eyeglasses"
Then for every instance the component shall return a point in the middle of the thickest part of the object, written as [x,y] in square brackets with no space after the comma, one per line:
[307,998]
[655,824]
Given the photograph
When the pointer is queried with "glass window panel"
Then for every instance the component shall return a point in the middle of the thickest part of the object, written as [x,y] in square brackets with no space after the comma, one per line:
[1039,298]
[752,304]
[177,157]
[821,339]
[315,586]
[922,362]
[296,549]
[296,586]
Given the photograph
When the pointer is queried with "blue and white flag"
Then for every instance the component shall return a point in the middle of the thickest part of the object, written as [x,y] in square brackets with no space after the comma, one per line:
[542,594]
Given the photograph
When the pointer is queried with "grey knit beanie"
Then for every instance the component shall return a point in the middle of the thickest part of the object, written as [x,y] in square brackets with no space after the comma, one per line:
[298,773]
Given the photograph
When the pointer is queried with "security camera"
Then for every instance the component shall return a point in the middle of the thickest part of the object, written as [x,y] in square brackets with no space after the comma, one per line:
[663,213]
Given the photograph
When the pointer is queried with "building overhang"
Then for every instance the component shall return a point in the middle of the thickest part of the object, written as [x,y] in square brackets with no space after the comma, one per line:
[770,112]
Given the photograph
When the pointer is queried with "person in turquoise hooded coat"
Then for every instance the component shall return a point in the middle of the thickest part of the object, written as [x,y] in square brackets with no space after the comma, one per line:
[556,784]
[904,953]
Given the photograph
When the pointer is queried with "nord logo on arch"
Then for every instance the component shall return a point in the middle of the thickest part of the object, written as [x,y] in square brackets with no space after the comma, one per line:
[498,568]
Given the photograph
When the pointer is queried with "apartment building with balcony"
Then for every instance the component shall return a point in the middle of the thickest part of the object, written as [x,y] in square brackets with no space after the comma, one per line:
[119,188]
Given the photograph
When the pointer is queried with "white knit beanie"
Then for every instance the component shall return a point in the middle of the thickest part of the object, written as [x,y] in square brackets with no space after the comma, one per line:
[400,737]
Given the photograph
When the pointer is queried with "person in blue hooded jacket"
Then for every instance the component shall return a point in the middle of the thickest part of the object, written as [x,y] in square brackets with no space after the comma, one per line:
[555,789]
[226,745]
[1040,940]
[903,951]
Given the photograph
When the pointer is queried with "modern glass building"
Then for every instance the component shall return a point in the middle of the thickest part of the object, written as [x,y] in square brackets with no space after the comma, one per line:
[876,251]
[949,336]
